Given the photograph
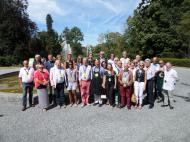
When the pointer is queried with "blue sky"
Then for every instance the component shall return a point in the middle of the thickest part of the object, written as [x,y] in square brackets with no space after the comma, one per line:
[91,16]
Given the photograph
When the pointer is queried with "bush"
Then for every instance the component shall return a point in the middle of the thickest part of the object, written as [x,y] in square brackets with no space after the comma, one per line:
[178,62]
[7,61]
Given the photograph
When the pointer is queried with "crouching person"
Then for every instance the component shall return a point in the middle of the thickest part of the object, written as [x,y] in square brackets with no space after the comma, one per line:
[170,78]
[26,76]
[41,79]
[126,80]
[58,81]
[72,76]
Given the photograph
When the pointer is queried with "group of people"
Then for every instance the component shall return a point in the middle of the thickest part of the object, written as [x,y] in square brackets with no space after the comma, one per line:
[111,81]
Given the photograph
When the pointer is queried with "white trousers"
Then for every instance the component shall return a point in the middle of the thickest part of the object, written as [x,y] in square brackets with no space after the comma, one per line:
[138,90]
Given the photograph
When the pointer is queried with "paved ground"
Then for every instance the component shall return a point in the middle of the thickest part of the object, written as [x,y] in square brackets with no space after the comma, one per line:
[99,124]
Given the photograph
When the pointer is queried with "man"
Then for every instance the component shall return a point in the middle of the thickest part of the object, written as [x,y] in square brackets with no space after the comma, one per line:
[101,57]
[111,60]
[85,71]
[138,58]
[26,76]
[150,81]
[170,79]
[90,60]
[124,59]
[160,80]
[48,65]
[37,60]
[58,81]
[96,82]
[156,68]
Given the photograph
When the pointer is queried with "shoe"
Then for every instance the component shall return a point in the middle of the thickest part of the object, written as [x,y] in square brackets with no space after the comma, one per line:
[140,107]
[151,106]
[129,108]
[94,104]
[44,110]
[88,104]
[135,106]
[159,101]
[171,107]
[64,106]
[75,105]
[100,105]
[71,105]
[164,105]
[31,105]
[82,105]
[24,108]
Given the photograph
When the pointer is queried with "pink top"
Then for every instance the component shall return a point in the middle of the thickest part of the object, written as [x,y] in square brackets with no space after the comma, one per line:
[41,76]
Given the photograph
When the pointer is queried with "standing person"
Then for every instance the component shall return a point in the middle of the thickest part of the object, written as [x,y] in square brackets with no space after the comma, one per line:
[26,76]
[138,58]
[111,60]
[126,80]
[85,72]
[79,61]
[140,79]
[68,60]
[170,79]
[156,68]
[102,57]
[149,85]
[110,83]
[114,65]
[96,82]
[58,82]
[41,78]
[48,65]
[37,60]
[160,81]
[90,60]
[124,59]
[72,76]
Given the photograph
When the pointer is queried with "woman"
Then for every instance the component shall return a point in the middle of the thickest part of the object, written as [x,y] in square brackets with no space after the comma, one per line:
[41,79]
[110,82]
[126,80]
[72,75]
[140,84]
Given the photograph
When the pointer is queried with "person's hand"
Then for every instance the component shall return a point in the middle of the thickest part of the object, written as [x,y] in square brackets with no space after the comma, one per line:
[20,85]
[80,83]
[115,87]
[103,86]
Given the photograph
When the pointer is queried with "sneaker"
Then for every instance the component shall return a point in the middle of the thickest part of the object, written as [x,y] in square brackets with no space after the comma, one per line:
[151,106]
[82,105]
[94,104]
[75,105]
[88,104]
[171,107]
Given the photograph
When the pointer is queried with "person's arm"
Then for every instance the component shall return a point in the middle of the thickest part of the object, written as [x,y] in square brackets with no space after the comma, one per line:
[115,83]
[104,82]
[145,80]
[65,78]
[80,75]
[130,78]
[20,78]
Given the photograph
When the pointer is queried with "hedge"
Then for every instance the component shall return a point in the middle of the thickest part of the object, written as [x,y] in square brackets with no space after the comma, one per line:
[178,62]
[7,61]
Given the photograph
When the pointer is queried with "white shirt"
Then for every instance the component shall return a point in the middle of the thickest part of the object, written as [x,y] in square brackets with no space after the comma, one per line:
[85,72]
[57,76]
[150,72]
[156,67]
[124,61]
[170,78]
[26,74]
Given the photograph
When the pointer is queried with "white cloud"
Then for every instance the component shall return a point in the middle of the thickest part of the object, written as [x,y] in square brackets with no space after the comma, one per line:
[38,9]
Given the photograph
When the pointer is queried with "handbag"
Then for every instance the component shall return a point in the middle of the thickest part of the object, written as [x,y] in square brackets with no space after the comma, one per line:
[133,98]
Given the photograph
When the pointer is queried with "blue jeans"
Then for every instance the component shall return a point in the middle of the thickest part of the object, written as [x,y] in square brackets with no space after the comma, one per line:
[27,87]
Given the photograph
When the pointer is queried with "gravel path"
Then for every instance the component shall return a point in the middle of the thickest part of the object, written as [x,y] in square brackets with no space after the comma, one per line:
[99,124]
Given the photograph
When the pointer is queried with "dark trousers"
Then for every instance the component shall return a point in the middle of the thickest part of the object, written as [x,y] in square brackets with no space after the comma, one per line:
[110,94]
[59,94]
[27,87]
[150,94]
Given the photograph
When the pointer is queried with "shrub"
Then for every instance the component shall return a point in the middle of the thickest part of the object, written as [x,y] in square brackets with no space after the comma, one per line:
[178,62]
[7,60]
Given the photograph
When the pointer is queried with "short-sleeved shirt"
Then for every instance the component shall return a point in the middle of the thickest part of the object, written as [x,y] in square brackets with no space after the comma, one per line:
[170,79]
[41,76]
[26,74]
